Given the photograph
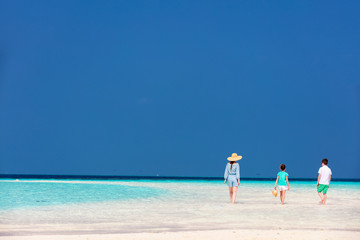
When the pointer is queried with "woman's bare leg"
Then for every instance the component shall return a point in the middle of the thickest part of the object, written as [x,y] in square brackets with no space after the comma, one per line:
[234,194]
[281,197]
[231,193]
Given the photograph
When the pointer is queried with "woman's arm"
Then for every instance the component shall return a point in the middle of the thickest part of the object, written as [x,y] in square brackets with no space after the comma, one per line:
[277,179]
[226,173]
[287,181]
[238,173]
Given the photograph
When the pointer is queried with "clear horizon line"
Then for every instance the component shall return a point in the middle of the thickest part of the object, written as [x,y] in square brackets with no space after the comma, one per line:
[80,176]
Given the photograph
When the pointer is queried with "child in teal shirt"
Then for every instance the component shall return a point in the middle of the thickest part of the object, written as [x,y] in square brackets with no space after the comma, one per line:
[282,182]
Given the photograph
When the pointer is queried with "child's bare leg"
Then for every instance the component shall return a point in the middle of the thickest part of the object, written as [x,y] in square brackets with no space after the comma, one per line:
[234,195]
[231,193]
[324,199]
[321,197]
[283,197]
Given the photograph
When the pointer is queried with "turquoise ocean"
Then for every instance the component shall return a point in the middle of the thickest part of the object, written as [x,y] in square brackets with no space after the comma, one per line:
[46,205]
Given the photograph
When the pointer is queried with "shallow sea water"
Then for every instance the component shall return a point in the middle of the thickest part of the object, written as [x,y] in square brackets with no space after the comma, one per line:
[115,206]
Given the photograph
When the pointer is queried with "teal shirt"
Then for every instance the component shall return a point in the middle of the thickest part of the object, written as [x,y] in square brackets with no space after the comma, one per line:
[282,178]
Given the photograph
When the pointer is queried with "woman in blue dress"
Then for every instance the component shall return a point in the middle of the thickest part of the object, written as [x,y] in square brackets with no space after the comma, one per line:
[232,175]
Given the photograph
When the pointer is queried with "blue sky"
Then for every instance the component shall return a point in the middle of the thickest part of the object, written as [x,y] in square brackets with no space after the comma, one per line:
[174,87]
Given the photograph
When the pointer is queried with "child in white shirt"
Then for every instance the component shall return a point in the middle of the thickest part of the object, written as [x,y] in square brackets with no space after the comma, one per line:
[323,182]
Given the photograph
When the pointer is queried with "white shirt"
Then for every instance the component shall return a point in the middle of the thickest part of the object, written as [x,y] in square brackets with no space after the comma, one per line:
[325,173]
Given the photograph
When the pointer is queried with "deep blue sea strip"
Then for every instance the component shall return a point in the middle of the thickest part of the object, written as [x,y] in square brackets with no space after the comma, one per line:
[94,177]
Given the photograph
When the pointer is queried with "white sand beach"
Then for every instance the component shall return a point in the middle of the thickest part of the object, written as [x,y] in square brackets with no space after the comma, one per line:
[187,210]
[208,235]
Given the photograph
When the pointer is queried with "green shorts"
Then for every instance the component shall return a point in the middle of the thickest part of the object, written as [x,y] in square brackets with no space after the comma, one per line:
[323,188]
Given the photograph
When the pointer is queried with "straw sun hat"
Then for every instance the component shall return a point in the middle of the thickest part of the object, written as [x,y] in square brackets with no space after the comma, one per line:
[234,157]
